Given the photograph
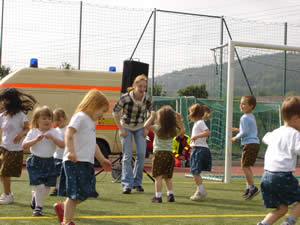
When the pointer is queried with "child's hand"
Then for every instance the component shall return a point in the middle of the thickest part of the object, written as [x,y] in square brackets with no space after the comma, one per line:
[49,136]
[72,156]
[178,116]
[40,137]
[194,138]
[234,139]
[146,131]
[106,164]
[153,114]
[235,129]
[17,138]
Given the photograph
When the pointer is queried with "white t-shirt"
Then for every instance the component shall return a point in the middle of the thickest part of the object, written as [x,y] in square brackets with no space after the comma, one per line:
[283,148]
[59,152]
[84,138]
[198,128]
[45,147]
[11,126]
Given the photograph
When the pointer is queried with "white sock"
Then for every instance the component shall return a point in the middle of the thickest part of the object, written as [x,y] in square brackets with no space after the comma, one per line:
[247,186]
[200,188]
[158,194]
[170,192]
[39,195]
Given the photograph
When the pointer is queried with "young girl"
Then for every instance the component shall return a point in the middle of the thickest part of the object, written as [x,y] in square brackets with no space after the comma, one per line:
[168,125]
[60,121]
[14,125]
[77,182]
[42,140]
[200,157]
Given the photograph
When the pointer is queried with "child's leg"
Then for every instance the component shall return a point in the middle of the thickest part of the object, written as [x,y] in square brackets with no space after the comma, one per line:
[248,175]
[273,216]
[158,186]
[69,209]
[6,184]
[295,212]
[57,182]
[40,192]
[198,179]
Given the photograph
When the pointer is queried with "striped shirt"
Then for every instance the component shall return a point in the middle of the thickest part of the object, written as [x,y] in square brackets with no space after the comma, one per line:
[134,112]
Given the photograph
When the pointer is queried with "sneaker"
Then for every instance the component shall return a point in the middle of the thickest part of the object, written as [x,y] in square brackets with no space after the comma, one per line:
[138,188]
[126,191]
[259,223]
[286,222]
[71,223]
[32,203]
[245,195]
[198,195]
[6,199]
[156,200]
[252,193]
[38,211]
[54,192]
[59,211]
[170,198]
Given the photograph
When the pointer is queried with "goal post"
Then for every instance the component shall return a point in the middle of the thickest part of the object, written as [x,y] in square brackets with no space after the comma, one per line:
[230,94]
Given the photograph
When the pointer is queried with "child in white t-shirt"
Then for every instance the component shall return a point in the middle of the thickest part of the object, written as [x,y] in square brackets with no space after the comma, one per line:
[278,186]
[201,156]
[77,182]
[14,126]
[60,121]
[42,140]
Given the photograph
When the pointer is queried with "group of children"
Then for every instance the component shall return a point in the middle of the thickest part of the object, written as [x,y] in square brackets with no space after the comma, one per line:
[68,152]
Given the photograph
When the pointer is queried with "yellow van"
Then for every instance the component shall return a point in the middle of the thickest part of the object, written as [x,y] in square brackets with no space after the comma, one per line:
[65,89]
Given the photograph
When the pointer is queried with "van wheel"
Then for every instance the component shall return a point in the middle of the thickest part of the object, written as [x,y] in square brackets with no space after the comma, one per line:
[104,147]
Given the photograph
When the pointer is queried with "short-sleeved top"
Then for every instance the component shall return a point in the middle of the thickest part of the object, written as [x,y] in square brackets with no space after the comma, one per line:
[199,127]
[84,138]
[134,112]
[248,130]
[11,126]
[45,148]
[283,148]
[161,144]
[59,152]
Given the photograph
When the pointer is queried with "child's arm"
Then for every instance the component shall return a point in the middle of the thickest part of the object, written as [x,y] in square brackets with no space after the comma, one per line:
[241,130]
[28,144]
[203,134]
[149,121]
[58,142]
[105,163]
[180,124]
[19,136]
[69,142]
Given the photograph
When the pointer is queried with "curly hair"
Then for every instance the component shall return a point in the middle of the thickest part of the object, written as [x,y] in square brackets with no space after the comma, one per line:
[15,101]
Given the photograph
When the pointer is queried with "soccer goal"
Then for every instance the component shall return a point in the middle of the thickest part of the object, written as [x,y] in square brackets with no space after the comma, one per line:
[266,71]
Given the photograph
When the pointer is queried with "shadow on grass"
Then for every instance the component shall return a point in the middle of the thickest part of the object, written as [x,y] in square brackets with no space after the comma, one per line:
[97,221]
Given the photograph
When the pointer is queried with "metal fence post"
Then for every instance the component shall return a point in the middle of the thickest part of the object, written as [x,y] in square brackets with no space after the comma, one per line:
[80,29]
[285,62]
[153,51]
[1,35]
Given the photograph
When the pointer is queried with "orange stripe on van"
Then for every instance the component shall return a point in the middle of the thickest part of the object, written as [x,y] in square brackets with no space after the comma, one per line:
[106,127]
[60,86]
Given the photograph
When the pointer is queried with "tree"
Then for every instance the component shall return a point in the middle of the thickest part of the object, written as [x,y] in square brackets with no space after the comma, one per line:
[66,66]
[157,90]
[4,70]
[194,90]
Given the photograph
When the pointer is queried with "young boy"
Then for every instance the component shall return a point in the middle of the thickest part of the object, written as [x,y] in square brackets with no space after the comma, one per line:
[250,143]
[279,187]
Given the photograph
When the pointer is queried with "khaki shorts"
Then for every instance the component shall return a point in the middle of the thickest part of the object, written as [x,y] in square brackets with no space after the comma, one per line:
[249,154]
[11,163]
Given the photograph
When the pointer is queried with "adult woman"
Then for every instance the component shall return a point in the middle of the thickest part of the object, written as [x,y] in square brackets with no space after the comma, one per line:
[134,105]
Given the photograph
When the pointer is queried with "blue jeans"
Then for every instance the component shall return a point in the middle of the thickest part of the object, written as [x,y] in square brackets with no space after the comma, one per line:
[133,177]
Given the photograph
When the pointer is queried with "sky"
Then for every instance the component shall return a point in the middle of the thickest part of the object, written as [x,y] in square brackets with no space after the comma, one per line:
[262,10]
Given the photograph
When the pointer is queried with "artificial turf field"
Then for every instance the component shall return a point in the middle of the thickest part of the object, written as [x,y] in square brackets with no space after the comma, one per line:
[223,205]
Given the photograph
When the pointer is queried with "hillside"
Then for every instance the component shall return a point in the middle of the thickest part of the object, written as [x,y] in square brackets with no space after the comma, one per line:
[264,73]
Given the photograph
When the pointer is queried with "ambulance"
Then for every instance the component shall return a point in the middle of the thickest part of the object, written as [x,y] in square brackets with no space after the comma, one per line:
[58,88]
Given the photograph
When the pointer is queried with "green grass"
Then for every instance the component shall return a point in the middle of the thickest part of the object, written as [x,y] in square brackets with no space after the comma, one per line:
[222,206]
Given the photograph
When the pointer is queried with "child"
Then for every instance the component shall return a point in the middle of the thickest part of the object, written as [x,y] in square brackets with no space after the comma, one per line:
[60,121]
[278,185]
[181,149]
[250,143]
[42,140]
[77,182]
[201,156]
[167,126]
[14,125]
